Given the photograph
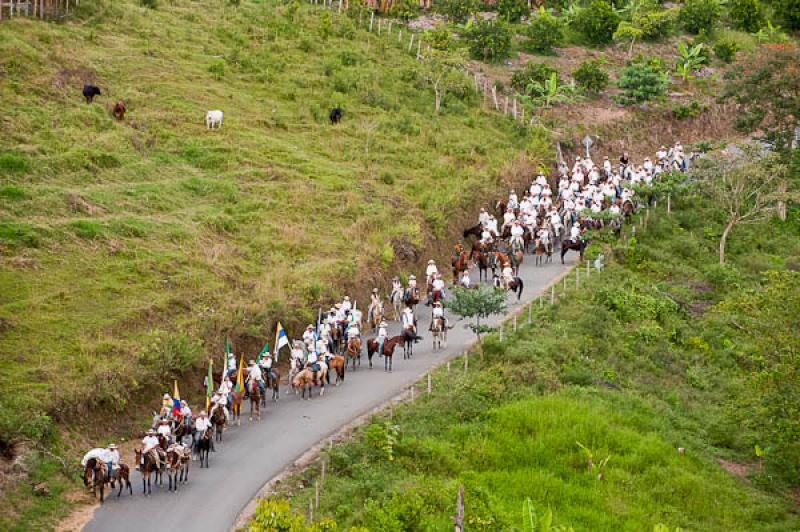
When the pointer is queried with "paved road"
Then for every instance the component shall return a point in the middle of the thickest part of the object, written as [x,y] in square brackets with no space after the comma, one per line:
[255,452]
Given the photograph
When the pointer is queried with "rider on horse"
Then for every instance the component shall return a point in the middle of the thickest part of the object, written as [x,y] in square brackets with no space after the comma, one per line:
[516,234]
[254,375]
[164,430]
[375,304]
[438,313]
[508,274]
[382,334]
[166,406]
[150,445]
[201,425]
[186,417]
[397,288]
[219,400]
[408,321]
[308,337]
[437,288]
[430,272]
[312,362]
[106,458]
[266,368]
[465,280]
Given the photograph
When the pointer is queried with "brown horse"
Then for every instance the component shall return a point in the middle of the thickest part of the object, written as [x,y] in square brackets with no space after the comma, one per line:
[236,407]
[516,285]
[475,231]
[353,352]
[389,346]
[305,381]
[274,384]
[460,262]
[177,466]
[579,246]
[147,468]
[204,446]
[254,391]
[218,420]
[96,474]
[337,365]
[439,333]
[544,246]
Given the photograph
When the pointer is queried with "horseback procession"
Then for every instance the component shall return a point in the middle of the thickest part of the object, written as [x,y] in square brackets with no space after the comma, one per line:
[541,222]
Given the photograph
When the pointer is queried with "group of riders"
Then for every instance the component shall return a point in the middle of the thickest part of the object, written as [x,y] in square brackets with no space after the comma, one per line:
[541,215]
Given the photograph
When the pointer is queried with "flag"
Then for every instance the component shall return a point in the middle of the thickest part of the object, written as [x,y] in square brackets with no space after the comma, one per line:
[240,376]
[176,401]
[281,340]
[229,363]
[209,384]
[263,352]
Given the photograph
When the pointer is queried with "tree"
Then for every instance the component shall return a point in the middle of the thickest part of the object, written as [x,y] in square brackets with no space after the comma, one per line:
[746,15]
[788,12]
[489,40]
[544,32]
[512,10]
[479,303]
[628,33]
[641,81]
[765,87]
[596,23]
[747,185]
[443,70]
[699,15]
[591,76]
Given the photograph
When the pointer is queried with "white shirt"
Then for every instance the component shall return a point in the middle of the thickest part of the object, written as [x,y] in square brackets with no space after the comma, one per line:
[113,456]
[508,217]
[438,312]
[148,443]
[517,231]
[508,272]
[466,281]
[408,319]
[255,372]
[483,218]
[346,305]
[492,225]
[312,358]
[202,424]
[382,332]
[225,388]
[186,411]
[575,232]
[308,336]
[431,270]
[438,284]
[164,430]
[97,454]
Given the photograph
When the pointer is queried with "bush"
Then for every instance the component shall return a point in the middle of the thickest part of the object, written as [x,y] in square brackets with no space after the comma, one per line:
[457,10]
[150,4]
[591,76]
[544,32]
[746,15]
[788,12]
[439,38]
[489,40]
[725,50]
[405,9]
[641,81]
[512,10]
[596,23]
[655,23]
[692,109]
[699,15]
[521,80]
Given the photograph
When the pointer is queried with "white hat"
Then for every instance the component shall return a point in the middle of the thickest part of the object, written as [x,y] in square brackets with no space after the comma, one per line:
[374,290]
[383,323]
[112,446]
[203,413]
[412,277]
[150,431]
[166,396]
[310,327]
[431,261]
[347,298]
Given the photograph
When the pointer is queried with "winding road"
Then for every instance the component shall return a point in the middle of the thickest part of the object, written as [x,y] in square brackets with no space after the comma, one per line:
[255,452]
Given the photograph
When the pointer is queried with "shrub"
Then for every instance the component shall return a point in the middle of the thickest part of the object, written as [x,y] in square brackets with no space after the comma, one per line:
[439,38]
[489,40]
[788,12]
[544,32]
[457,10]
[596,23]
[526,79]
[725,50]
[591,76]
[699,15]
[512,10]
[746,15]
[150,4]
[405,9]
[655,23]
[13,163]
[641,81]
[690,110]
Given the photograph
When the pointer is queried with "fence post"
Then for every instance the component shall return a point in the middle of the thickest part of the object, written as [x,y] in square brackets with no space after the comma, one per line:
[316,495]
[411,43]
[400,35]
[501,332]
[553,294]
[379,27]
[371,20]
[565,284]
[466,360]
[515,108]
[578,277]
[419,47]
[429,384]
[494,98]
[669,198]
[530,313]
[412,393]
[588,269]
[541,303]
[448,366]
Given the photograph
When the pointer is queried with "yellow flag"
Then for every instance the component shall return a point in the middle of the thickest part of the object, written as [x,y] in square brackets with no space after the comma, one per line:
[240,376]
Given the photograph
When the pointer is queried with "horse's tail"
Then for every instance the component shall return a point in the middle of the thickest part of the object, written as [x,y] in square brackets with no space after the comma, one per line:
[519,287]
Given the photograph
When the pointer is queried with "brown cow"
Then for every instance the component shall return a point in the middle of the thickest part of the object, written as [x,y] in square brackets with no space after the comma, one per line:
[119,110]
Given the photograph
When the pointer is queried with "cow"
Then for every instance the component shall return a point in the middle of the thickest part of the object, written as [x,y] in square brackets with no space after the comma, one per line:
[214,119]
[336,115]
[119,110]
[90,91]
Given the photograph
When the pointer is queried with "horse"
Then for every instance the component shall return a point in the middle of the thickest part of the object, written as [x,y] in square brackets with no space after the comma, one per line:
[99,477]
[439,332]
[409,338]
[204,446]
[305,381]
[255,399]
[337,365]
[516,256]
[274,384]
[219,421]
[389,346]
[628,208]
[353,352]
[544,247]
[175,466]
[147,468]
[236,407]
[483,266]
[516,285]
[376,315]
[475,231]
[579,246]
[411,298]
[397,303]
[460,262]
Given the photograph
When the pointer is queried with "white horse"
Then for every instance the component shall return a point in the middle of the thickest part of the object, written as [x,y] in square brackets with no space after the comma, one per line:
[214,119]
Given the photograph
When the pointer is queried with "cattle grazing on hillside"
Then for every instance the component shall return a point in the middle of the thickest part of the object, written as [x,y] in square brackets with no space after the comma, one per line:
[119,110]
[336,115]
[90,91]
[214,119]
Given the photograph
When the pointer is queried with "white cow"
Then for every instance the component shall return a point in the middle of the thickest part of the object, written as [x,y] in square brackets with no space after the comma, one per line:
[214,119]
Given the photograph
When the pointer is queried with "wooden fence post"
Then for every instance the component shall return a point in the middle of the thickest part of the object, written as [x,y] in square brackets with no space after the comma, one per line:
[379,27]
[530,312]
[411,42]
[515,323]
[515,108]
[669,198]
[419,48]
[430,387]
[448,366]
[494,98]
[458,519]
[466,360]
[371,20]
[578,277]
[588,269]
[552,294]
[316,495]
[412,393]
[541,302]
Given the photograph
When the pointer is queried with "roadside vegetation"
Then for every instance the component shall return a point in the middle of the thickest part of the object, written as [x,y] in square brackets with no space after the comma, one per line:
[660,393]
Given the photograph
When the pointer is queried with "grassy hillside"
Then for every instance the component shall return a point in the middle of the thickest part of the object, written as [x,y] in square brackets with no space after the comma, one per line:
[129,249]
[664,350]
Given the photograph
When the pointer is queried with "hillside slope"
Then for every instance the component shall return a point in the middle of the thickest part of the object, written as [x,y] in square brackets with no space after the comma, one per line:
[130,249]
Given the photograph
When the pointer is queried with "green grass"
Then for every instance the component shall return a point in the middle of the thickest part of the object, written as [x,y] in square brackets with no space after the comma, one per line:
[655,354]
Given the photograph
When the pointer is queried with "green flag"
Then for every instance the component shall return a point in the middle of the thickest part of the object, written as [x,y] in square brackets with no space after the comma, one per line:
[263,352]
[209,384]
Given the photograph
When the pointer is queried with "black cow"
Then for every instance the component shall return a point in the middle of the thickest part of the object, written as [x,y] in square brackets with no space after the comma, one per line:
[90,91]
[336,115]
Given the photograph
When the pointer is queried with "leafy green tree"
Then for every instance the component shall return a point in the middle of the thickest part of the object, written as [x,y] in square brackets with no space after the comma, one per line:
[699,15]
[457,10]
[725,50]
[596,23]
[765,88]
[746,185]
[690,59]
[405,9]
[512,10]
[544,32]
[591,76]
[442,70]
[479,303]
[439,37]
[641,81]
[628,34]
[746,15]
[788,12]
[533,76]
[489,40]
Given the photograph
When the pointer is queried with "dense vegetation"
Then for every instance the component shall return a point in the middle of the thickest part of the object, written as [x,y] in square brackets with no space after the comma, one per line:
[582,413]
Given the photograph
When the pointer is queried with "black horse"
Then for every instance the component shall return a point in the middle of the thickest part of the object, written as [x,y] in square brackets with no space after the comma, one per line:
[579,246]
[204,447]
[475,231]
[516,285]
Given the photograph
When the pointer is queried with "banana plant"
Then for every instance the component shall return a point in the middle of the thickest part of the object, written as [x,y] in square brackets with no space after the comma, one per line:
[692,58]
